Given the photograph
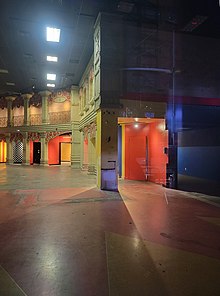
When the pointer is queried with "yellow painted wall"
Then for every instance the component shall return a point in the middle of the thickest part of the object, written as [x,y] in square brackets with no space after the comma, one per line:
[65,151]
[3,151]
[98,147]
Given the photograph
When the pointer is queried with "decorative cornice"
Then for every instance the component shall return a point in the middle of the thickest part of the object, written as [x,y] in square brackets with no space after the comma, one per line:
[27,96]
[36,100]
[89,118]
[16,137]
[38,128]
[33,136]
[59,97]
[44,93]
[51,135]
[18,102]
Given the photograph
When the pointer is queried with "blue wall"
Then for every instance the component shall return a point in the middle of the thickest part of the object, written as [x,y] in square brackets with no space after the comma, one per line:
[201,162]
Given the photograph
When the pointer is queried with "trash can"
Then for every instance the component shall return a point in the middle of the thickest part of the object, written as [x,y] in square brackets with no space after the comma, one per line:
[109,179]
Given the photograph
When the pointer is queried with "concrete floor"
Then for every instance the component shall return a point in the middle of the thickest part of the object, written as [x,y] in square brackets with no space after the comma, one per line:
[60,235]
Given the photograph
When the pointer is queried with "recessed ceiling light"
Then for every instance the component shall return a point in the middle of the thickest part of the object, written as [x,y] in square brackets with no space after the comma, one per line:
[4,71]
[10,83]
[52,59]
[53,34]
[51,76]
[50,84]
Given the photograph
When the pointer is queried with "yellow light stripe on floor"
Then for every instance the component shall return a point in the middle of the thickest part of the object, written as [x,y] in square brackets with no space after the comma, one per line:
[212,220]
[8,286]
[137,267]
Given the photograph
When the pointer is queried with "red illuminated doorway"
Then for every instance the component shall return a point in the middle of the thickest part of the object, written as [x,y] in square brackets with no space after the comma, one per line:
[136,160]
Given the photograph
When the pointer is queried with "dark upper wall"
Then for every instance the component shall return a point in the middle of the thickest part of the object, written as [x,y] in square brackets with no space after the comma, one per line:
[126,44]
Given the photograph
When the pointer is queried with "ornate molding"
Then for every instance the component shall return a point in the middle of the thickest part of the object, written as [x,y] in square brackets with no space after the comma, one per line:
[16,137]
[18,120]
[3,121]
[33,136]
[36,100]
[59,117]
[51,135]
[90,130]
[3,103]
[2,138]
[18,102]
[59,97]
[85,132]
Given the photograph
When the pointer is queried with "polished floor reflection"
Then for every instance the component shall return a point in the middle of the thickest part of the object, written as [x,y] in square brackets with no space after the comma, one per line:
[60,235]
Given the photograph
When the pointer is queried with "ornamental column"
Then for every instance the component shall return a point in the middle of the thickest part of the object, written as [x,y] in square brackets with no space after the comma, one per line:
[44,149]
[76,137]
[45,116]
[26,149]
[92,149]
[26,98]
[10,99]
[9,159]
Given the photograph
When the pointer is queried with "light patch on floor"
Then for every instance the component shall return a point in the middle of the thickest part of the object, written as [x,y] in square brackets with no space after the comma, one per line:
[137,267]
[212,220]
[8,286]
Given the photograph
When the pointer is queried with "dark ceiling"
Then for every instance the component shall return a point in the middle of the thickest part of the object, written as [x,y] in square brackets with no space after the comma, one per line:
[23,46]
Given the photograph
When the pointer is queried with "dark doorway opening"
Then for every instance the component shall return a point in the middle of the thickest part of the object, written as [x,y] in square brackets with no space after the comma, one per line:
[36,152]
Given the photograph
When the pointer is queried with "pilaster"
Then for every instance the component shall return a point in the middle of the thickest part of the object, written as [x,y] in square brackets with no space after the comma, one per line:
[74,103]
[76,144]
[45,116]
[10,99]
[26,150]
[44,149]
[26,98]
[9,159]
[106,149]
[83,151]
[91,154]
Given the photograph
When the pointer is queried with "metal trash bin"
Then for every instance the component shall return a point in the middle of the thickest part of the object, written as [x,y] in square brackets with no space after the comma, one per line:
[109,179]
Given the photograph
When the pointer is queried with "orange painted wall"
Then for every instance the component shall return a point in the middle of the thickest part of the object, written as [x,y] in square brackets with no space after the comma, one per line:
[54,147]
[152,137]
[3,151]
[158,140]
[135,151]
[85,152]
[31,152]
[53,151]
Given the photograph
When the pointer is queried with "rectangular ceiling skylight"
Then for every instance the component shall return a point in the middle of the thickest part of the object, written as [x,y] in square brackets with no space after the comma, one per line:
[51,76]
[50,84]
[52,59]
[53,34]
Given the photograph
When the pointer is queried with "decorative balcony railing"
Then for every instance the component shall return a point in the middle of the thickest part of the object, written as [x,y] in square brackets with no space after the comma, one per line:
[3,121]
[18,120]
[59,117]
[35,119]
